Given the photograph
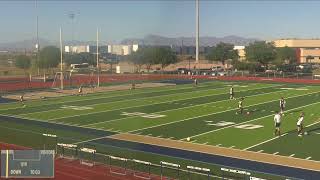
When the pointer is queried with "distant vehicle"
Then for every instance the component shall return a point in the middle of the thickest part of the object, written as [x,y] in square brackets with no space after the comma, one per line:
[80,68]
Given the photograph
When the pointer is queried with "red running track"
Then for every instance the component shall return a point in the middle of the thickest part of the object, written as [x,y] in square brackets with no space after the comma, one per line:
[72,169]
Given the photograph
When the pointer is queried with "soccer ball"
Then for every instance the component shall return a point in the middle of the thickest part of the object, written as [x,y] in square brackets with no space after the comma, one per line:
[188,139]
[248,113]
[305,133]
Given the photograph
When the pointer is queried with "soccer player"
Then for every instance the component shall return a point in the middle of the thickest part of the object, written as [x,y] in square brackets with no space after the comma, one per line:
[133,86]
[22,100]
[277,122]
[300,124]
[231,93]
[80,90]
[240,106]
[195,82]
[282,105]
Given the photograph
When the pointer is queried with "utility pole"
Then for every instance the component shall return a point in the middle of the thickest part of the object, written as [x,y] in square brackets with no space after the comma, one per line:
[197,31]
[37,45]
[61,62]
[98,69]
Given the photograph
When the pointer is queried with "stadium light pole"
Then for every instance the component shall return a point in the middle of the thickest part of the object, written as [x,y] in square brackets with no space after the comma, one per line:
[98,70]
[61,60]
[37,45]
[197,31]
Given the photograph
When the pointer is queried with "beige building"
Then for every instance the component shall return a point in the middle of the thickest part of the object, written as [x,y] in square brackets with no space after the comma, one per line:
[307,50]
[122,49]
[241,52]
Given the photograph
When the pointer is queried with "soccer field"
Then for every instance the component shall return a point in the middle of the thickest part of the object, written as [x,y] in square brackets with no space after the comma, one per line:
[203,113]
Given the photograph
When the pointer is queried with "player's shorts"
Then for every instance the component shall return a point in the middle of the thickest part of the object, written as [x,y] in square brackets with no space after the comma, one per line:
[282,107]
[299,126]
[278,125]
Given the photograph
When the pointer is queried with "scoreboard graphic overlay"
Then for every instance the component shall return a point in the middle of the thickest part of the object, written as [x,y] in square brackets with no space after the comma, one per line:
[27,163]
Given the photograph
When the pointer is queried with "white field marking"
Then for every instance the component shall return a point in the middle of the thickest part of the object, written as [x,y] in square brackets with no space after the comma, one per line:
[275,153]
[206,143]
[314,123]
[286,88]
[135,99]
[197,116]
[90,140]
[149,134]
[260,151]
[159,136]
[193,141]
[265,141]
[292,155]
[138,133]
[101,122]
[256,118]
[302,89]
[317,133]
[218,145]
[308,158]
[226,111]
[172,101]
[59,123]
[231,146]
[100,94]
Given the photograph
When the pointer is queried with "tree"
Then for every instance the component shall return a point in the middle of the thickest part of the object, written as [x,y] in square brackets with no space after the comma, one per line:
[222,52]
[152,55]
[261,52]
[164,56]
[23,62]
[49,57]
[286,55]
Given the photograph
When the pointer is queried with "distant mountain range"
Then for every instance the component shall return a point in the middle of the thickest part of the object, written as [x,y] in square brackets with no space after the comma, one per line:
[154,40]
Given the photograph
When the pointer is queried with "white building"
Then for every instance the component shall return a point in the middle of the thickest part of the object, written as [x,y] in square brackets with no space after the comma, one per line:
[122,50]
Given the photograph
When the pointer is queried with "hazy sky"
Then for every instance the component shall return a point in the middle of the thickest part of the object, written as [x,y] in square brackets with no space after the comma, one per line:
[134,19]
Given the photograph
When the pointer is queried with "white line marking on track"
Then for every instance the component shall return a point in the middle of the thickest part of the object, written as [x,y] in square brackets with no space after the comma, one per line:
[308,158]
[260,151]
[292,155]
[265,142]
[89,140]
[275,153]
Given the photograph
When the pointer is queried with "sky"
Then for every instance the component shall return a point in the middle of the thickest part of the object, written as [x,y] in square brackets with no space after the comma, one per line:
[122,19]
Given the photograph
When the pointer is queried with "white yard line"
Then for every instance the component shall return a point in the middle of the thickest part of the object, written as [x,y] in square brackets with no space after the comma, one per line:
[89,140]
[265,141]
[207,114]
[203,104]
[99,95]
[170,101]
[256,118]
[125,100]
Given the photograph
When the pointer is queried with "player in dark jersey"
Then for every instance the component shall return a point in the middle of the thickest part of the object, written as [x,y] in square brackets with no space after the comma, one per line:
[240,106]
[231,92]
[282,105]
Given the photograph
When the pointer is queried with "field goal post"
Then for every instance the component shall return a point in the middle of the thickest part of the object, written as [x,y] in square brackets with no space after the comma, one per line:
[122,165]
[142,174]
[168,165]
[67,151]
[87,156]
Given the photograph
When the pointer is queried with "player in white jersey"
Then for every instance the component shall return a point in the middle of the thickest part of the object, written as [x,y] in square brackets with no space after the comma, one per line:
[195,82]
[277,123]
[300,124]
[282,105]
